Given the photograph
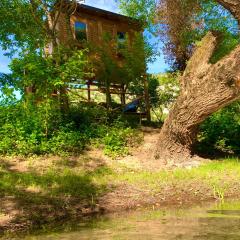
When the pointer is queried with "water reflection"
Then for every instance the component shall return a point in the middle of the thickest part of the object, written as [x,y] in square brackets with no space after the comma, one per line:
[214,222]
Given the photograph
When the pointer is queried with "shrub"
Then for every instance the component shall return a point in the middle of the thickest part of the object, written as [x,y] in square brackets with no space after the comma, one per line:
[221,131]
[33,130]
[118,139]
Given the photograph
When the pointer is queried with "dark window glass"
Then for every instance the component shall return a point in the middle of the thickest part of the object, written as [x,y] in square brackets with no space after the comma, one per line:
[121,40]
[80,31]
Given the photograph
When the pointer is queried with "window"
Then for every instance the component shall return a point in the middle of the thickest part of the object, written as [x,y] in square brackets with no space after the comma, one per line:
[80,31]
[121,40]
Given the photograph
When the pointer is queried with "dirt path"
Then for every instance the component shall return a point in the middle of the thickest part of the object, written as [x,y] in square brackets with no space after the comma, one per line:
[142,156]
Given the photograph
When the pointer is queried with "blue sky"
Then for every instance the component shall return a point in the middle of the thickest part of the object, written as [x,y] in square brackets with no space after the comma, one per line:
[156,67]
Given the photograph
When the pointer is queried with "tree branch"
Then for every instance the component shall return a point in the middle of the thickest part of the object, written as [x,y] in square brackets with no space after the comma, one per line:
[202,55]
[199,63]
[233,6]
[34,15]
[59,10]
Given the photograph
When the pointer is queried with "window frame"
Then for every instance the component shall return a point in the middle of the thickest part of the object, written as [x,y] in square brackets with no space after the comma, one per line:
[86,30]
[122,39]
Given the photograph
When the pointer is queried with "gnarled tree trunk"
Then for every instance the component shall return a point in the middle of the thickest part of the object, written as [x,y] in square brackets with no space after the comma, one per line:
[205,88]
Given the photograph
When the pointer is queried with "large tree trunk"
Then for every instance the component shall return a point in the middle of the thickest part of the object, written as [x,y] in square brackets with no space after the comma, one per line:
[205,88]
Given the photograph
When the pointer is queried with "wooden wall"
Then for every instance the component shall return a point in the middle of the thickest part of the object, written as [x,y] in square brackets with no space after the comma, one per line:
[96,27]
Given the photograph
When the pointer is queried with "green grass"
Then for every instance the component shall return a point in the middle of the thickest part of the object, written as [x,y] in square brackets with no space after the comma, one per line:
[60,190]
[47,197]
[51,183]
[217,176]
[216,169]
[77,182]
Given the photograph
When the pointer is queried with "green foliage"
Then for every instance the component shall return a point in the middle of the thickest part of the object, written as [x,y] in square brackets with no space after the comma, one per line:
[49,73]
[5,80]
[124,65]
[135,58]
[163,89]
[33,69]
[168,89]
[28,24]
[153,88]
[221,131]
[118,139]
[18,26]
[216,17]
[228,43]
[77,67]
[143,10]
[29,129]
[24,127]
[35,125]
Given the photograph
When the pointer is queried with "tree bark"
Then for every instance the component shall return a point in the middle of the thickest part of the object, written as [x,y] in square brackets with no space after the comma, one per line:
[64,102]
[205,88]
[108,95]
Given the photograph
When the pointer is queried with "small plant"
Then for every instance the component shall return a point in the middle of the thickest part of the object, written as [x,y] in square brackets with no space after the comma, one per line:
[119,138]
[218,192]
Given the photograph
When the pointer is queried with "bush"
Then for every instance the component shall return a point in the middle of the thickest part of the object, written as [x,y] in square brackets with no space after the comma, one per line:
[163,89]
[42,130]
[118,139]
[221,131]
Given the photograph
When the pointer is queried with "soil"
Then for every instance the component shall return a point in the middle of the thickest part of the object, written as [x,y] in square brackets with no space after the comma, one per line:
[142,156]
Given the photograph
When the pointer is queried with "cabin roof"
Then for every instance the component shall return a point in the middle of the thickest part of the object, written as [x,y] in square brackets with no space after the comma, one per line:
[107,14]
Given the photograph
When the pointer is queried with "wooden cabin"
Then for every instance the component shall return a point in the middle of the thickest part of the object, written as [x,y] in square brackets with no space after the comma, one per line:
[92,24]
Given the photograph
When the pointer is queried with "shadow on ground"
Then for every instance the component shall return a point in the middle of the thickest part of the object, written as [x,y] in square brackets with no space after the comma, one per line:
[210,152]
[31,200]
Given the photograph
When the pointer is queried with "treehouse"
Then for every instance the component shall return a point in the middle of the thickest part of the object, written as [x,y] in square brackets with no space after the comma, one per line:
[93,26]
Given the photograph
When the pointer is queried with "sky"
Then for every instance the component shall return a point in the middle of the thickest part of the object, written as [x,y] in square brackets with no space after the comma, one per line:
[110,5]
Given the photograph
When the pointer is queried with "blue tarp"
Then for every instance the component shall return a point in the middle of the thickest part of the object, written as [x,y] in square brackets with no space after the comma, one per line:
[132,106]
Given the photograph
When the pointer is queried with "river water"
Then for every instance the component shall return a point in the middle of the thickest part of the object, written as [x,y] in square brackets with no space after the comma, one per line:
[218,221]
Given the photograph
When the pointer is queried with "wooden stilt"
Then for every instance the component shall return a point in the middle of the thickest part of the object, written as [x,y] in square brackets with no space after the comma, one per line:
[147,98]
[123,95]
[89,91]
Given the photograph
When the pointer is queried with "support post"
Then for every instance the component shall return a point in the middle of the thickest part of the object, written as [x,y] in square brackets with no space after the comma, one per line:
[108,95]
[123,96]
[147,98]
[64,103]
[89,91]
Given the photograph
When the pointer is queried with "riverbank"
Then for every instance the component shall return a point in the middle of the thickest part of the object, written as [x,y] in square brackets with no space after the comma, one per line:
[38,193]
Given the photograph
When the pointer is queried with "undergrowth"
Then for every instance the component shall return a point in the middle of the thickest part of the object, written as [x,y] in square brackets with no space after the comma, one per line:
[41,129]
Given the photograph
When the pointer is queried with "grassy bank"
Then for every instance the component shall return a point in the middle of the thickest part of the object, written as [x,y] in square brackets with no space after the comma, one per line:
[41,193]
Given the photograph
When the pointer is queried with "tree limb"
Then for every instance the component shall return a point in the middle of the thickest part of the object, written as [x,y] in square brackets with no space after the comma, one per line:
[34,15]
[59,10]
[233,6]
[202,55]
